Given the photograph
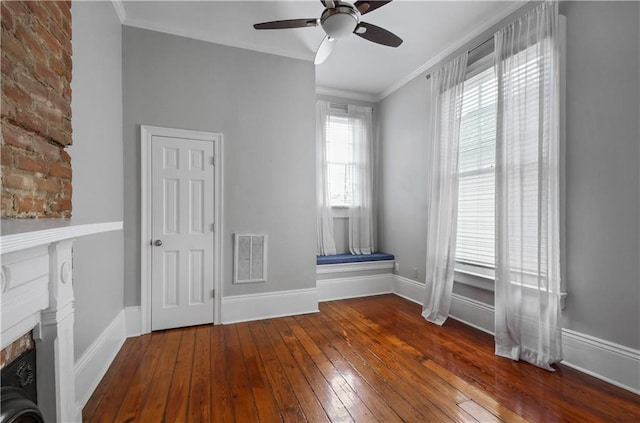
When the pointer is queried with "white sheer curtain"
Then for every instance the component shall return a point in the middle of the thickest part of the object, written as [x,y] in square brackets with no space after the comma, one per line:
[446,107]
[361,222]
[324,219]
[527,309]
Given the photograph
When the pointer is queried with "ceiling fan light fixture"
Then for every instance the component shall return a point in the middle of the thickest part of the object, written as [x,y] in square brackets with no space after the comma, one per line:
[340,21]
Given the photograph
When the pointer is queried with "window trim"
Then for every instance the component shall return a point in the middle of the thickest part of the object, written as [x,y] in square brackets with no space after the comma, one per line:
[340,212]
[470,278]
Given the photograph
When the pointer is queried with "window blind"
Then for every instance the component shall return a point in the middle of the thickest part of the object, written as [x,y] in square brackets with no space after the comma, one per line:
[343,136]
[475,242]
[528,79]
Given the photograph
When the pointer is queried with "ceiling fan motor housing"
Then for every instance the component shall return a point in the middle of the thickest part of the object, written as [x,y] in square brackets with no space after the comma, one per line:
[340,21]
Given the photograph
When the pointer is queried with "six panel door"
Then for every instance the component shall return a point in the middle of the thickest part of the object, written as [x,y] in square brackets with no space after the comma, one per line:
[182,270]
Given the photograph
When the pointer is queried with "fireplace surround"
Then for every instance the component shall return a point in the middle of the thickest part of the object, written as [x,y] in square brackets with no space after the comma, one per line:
[36,288]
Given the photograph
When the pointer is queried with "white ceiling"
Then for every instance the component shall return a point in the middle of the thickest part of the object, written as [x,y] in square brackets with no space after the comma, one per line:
[356,68]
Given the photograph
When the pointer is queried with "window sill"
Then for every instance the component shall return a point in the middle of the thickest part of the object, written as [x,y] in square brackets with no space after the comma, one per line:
[475,280]
[340,212]
[487,283]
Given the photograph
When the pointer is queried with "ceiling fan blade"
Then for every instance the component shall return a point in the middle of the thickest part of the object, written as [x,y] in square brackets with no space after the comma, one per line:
[366,6]
[326,46]
[328,3]
[378,35]
[289,23]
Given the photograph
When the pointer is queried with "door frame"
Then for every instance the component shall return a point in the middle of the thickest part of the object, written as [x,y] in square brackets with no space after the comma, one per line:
[147,133]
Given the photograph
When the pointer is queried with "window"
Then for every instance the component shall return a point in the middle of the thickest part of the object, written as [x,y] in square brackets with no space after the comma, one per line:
[475,241]
[344,177]
[529,81]
[343,132]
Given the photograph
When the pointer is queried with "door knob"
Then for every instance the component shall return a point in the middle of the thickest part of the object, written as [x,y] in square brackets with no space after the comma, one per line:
[157,243]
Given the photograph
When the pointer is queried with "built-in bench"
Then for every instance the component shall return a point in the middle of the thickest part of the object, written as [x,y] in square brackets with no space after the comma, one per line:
[354,275]
[353,258]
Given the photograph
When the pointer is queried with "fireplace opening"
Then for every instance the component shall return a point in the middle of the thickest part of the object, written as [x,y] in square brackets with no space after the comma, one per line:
[15,407]
[18,394]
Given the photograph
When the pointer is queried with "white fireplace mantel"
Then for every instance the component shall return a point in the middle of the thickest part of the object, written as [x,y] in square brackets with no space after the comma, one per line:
[37,294]
[20,234]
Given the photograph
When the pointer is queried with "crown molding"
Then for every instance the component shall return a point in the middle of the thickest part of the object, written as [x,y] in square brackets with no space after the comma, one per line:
[118,5]
[346,94]
[473,33]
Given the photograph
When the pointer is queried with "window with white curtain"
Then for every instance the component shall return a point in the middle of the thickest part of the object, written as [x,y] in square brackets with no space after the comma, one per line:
[345,170]
[342,132]
[529,80]
[475,241]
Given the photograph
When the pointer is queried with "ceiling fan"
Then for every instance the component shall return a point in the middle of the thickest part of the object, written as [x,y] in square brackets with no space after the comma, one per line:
[338,20]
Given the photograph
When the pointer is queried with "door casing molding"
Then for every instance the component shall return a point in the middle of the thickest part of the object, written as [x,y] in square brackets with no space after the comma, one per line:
[147,133]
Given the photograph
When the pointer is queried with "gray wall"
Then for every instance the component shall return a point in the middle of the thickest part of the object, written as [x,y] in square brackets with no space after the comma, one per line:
[96,157]
[602,172]
[402,213]
[264,105]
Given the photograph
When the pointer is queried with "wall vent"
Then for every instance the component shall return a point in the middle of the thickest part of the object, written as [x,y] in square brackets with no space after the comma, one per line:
[250,258]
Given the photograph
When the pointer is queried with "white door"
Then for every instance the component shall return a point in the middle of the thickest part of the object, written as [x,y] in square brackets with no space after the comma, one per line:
[182,225]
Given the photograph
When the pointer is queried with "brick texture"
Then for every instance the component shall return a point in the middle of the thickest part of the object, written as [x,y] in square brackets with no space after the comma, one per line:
[16,349]
[36,109]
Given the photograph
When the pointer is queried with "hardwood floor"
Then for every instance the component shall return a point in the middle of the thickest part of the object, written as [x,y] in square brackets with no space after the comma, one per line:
[369,359]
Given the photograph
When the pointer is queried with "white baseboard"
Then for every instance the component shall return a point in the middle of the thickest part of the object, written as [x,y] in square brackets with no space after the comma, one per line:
[470,312]
[356,286]
[408,289]
[133,319]
[95,361]
[473,313]
[613,363]
[243,308]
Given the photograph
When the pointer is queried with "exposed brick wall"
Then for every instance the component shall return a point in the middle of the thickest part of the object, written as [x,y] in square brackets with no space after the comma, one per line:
[36,108]
[16,349]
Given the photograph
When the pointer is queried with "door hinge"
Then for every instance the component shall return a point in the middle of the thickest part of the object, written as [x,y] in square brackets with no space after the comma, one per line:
[213,160]
[213,227]
[213,293]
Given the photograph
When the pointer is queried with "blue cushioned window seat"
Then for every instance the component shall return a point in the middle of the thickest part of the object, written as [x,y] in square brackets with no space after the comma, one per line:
[353,258]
